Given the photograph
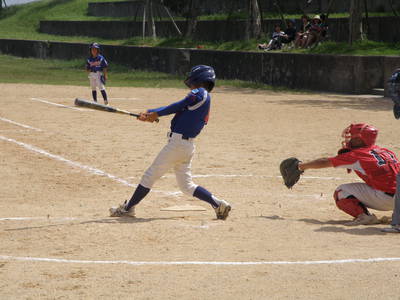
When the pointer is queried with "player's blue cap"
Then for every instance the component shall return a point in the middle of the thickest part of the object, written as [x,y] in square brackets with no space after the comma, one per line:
[94,45]
[201,74]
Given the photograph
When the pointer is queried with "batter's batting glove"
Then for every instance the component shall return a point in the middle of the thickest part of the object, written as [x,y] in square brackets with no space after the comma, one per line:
[290,171]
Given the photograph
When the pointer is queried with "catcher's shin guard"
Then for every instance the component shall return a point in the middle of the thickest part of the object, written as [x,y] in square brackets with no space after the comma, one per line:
[350,205]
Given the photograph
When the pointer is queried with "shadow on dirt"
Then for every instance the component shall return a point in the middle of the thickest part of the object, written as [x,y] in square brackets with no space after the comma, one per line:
[122,220]
[352,230]
[349,102]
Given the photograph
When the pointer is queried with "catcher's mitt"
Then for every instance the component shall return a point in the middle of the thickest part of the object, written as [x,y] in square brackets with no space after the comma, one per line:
[290,171]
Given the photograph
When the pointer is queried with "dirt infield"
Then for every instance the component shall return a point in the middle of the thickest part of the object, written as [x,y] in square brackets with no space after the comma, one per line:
[62,168]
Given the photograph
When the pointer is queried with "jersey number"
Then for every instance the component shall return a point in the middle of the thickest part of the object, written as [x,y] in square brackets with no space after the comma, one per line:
[383,157]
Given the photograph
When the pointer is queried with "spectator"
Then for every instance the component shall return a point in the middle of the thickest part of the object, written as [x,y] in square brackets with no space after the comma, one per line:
[324,26]
[276,41]
[290,32]
[301,34]
[313,34]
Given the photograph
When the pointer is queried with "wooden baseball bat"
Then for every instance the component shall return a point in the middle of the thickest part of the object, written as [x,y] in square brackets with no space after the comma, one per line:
[98,106]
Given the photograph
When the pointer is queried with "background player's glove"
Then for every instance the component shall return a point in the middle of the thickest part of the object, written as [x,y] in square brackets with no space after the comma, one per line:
[290,171]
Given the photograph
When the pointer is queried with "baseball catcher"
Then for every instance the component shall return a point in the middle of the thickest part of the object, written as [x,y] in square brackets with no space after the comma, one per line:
[376,166]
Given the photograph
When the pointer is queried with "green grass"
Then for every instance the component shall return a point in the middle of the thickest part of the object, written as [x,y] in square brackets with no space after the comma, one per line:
[364,47]
[61,72]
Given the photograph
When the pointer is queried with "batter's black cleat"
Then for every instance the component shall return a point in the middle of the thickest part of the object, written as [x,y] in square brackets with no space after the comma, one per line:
[396,111]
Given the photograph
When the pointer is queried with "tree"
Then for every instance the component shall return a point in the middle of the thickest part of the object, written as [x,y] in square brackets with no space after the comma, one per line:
[192,13]
[151,24]
[253,24]
[355,21]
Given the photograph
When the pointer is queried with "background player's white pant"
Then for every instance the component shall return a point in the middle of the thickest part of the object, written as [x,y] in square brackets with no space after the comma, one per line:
[370,197]
[95,81]
[176,154]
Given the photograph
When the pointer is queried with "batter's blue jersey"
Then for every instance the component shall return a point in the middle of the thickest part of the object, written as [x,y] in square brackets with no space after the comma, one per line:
[191,113]
[95,64]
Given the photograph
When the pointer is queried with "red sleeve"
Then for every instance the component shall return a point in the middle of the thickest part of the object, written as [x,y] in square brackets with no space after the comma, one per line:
[344,159]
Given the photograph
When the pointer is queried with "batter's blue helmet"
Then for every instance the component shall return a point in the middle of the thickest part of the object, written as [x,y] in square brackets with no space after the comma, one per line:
[94,45]
[201,74]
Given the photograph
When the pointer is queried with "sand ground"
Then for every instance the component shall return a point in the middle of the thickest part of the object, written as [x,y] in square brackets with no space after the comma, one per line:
[50,174]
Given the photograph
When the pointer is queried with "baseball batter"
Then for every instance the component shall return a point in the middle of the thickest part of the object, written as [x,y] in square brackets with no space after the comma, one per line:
[376,166]
[96,66]
[190,116]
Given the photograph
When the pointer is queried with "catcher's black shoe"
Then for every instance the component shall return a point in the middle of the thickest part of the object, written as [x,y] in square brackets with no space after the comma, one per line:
[396,111]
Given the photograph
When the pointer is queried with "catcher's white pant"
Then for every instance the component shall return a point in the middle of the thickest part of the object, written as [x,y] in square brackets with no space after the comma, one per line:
[370,197]
[176,154]
[95,81]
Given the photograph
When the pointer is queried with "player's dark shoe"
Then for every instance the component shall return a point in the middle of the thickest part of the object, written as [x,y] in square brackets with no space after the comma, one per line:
[392,229]
[222,211]
[105,102]
[396,111]
[120,211]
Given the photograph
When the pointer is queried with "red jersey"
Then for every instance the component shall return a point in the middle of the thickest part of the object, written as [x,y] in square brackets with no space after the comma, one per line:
[375,165]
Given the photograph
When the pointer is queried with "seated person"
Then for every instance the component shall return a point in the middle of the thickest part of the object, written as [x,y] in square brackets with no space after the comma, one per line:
[314,32]
[276,42]
[290,32]
[324,26]
[301,34]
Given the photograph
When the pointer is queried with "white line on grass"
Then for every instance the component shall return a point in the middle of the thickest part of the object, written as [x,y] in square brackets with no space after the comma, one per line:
[87,168]
[19,124]
[57,104]
[217,263]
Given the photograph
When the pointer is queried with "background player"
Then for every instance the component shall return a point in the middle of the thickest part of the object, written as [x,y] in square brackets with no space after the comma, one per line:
[191,114]
[96,66]
[376,166]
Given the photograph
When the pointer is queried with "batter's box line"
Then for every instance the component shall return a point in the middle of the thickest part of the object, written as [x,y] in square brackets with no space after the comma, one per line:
[89,169]
[199,263]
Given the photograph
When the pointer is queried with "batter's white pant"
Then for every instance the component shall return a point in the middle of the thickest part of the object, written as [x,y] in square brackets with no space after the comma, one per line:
[370,197]
[95,81]
[176,154]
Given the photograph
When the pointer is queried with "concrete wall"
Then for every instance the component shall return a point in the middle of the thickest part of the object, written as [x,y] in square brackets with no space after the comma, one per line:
[381,29]
[347,74]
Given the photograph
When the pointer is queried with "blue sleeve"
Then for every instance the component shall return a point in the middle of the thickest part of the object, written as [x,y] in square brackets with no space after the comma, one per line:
[170,109]
[104,63]
[87,65]
[191,99]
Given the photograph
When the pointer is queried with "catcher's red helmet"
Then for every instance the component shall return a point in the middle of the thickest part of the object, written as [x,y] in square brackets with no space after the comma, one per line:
[365,132]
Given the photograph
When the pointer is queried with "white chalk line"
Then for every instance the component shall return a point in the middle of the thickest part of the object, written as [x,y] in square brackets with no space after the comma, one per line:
[19,124]
[89,169]
[215,263]
[38,218]
[57,104]
[254,176]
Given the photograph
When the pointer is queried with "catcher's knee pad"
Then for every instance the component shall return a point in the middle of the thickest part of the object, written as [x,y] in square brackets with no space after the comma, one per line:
[349,205]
